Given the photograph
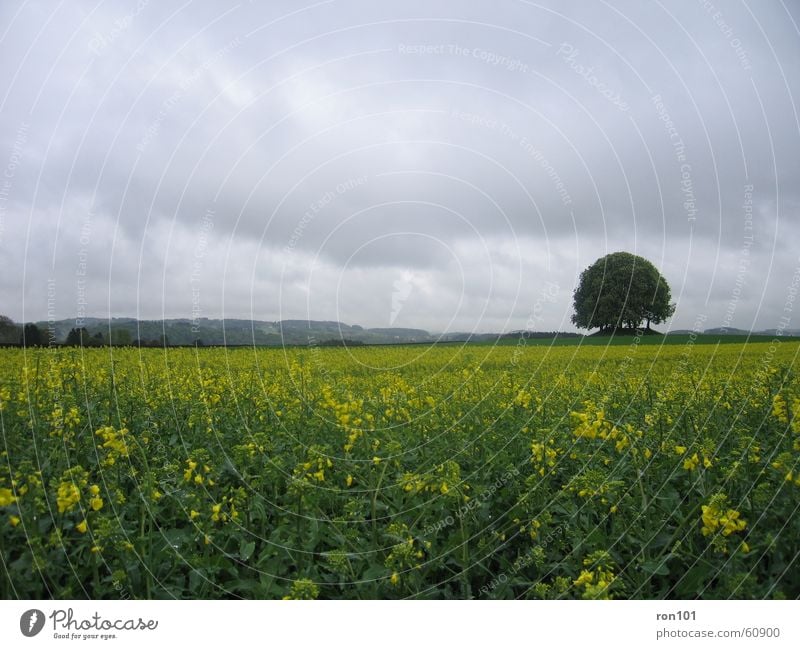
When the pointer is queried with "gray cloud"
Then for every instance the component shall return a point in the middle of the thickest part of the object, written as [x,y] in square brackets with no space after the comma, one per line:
[306,161]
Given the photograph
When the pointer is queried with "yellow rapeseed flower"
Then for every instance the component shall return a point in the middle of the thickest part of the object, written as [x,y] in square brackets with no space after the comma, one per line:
[690,464]
[191,465]
[303,589]
[715,518]
[710,517]
[67,497]
[731,522]
[82,526]
[779,409]
[6,497]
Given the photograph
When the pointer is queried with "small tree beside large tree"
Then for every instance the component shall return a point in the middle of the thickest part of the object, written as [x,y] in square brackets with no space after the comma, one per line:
[620,291]
[31,336]
[9,332]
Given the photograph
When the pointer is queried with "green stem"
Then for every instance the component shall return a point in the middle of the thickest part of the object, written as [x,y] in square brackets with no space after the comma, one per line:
[641,490]
[374,506]
[298,530]
[465,585]
[96,575]
[142,537]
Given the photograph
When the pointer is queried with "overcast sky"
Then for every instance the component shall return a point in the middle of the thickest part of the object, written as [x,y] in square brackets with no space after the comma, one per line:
[444,165]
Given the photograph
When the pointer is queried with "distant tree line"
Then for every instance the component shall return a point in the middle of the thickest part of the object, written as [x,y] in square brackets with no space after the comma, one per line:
[539,334]
[31,335]
[340,342]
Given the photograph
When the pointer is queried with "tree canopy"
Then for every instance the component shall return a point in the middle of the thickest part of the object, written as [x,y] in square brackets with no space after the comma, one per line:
[31,336]
[9,332]
[621,290]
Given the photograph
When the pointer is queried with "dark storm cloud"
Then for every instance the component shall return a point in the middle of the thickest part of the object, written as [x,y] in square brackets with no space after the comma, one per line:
[335,159]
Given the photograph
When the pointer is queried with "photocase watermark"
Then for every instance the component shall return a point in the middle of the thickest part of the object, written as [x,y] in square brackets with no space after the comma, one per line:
[744,257]
[473,503]
[727,31]
[31,622]
[82,269]
[51,313]
[679,148]
[402,288]
[521,563]
[122,592]
[547,295]
[316,207]
[67,626]
[101,41]
[177,96]
[682,368]
[620,374]
[65,620]
[321,368]
[788,305]
[529,148]
[10,170]
[783,324]
[569,54]
[206,226]
[488,57]
[524,143]
[167,481]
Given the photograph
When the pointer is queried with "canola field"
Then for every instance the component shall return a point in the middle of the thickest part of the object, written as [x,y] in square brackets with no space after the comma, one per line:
[401,472]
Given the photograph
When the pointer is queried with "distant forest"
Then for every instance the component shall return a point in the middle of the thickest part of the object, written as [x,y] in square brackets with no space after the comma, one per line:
[96,332]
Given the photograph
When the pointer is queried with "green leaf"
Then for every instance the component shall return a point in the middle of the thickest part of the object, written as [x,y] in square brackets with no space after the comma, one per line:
[655,567]
[246,550]
[692,583]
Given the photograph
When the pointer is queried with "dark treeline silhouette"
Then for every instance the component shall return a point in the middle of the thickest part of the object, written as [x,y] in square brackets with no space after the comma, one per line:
[32,335]
[539,334]
[340,342]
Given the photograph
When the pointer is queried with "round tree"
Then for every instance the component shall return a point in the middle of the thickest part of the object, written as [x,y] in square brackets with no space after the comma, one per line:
[621,290]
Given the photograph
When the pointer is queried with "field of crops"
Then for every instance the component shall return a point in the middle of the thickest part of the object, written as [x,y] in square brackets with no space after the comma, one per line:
[401,472]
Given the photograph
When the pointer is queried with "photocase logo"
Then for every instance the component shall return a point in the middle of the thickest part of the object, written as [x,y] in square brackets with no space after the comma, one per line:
[31,622]
[402,288]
